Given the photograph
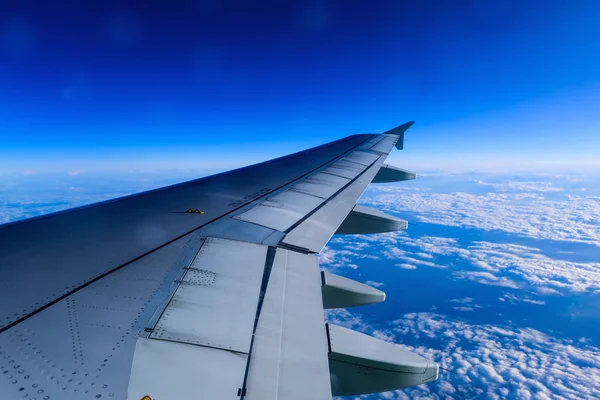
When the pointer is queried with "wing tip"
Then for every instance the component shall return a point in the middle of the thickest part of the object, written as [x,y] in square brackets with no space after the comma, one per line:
[399,130]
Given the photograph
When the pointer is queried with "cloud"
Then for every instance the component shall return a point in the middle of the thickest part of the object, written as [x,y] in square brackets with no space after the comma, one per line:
[486,278]
[340,250]
[535,186]
[497,362]
[463,300]
[405,266]
[498,264]
[508,208]
[413,261]
[507,362]
[332,259]
[529,264]
[343,317]
[467,304]
[464,308]
[513,299]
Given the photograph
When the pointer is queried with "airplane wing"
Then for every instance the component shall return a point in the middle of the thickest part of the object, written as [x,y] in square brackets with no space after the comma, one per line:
[205,289]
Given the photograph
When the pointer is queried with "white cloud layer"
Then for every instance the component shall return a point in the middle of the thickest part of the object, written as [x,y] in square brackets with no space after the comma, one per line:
[497,264]
[521,208]
[490,361]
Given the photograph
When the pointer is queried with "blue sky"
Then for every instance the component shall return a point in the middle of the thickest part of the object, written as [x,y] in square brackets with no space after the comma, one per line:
[216,84]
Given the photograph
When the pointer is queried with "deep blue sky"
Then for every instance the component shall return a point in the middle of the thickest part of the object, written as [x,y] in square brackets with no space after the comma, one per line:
[90,84]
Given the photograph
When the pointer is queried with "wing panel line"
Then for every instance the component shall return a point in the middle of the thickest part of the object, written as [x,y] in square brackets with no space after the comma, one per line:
[263,290]
[329,199]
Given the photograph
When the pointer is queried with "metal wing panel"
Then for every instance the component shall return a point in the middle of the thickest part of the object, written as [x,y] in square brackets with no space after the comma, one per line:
[229,228]
[172,370]
[322,185]
[215,303]
[281,211]
[344,169]
[386,144]
[284,210]
[314,233]
[202,339]
[362,157]
[289,355]
[81,347]
[371,142]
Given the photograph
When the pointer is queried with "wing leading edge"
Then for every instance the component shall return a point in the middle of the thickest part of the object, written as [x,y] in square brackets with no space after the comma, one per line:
[133,297]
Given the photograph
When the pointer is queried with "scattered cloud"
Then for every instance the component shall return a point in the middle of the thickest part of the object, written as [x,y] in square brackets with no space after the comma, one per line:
[504,362]
[466,304]
[416,261]
[498,264]
[463,308]
[527,186]
[486,278]
[463,300]
[517,263]
[332,259]
[405,266]
[530,213]
[496,362]
[514,299]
